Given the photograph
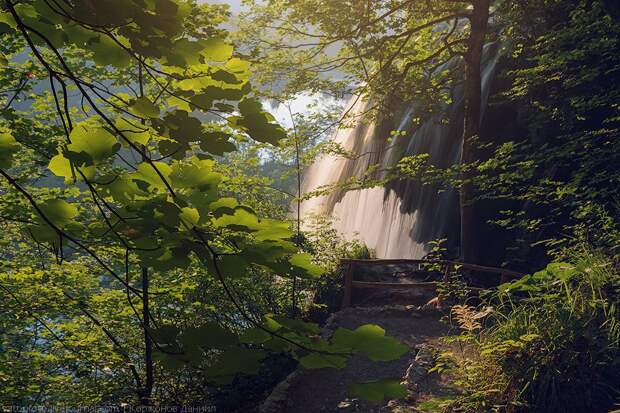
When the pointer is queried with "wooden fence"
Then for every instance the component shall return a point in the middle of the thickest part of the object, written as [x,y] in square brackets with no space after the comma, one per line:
[351,264]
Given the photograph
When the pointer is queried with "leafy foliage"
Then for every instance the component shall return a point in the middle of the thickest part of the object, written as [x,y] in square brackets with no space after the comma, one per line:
[550,344]
[381,49]
[119,183]
[378,390]
[553,170]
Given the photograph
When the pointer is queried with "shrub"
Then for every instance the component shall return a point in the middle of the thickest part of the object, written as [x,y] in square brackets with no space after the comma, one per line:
[328,248]
[551,344]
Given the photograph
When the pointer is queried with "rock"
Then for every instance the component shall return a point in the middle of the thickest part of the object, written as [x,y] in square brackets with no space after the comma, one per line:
[393,403]
[349,405]
[276,401]
[425,356]
[414,373]
[417,371]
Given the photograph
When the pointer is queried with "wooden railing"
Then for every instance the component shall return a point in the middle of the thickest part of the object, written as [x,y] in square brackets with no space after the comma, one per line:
[350,283]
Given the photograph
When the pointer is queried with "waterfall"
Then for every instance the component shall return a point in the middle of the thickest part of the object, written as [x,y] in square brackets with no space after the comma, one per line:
[396,221]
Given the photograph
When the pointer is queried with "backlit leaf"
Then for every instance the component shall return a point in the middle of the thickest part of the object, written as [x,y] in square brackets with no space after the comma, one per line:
[144,108]
[302,264]
[241,219]
[195,175]
[255,336]
[8,147]
[133,131]
[58,211]
[378,390]
[107,52]
[319,361]
[93,140]
[61,166]
[217,50]
[369,339]
[150,174]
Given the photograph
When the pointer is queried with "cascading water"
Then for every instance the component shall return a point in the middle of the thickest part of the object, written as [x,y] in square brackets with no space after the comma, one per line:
[396,221]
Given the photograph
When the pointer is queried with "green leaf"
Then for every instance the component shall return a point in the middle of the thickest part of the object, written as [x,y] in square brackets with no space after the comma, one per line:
[369,339]
[93,140]
[167,213]
[144,108]
[303,266]
[185,52]
[136,133]
[241,68]
[147,173]
[235,361]
[165,334]
[225,76]
[59,211]
[8,147]
[233,266]
[189,217]
[7,20]
[216,50]
[257,123]
[182,129]
[378,390]
[107,52]
[228,203]
[79,35]
[180,104]
[254,336]
[250,105]
[274,232]
[170,362]
[296,325]
[241,220]
[60,214]
[195,175]
[121,188]
[216,143]
[61,166]
[208,336]
[270,324]
[319,361]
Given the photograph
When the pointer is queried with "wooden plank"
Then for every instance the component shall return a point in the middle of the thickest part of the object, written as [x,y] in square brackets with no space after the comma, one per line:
[348,285]
[419,285]
[474,267]
[422,286]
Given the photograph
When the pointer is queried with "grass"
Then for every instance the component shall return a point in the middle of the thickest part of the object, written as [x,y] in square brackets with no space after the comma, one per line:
[550,344]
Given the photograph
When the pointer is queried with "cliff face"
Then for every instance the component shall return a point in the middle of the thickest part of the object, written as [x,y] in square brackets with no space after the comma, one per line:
[399,220]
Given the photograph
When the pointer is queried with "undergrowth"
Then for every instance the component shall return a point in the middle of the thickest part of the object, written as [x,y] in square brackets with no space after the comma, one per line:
[549,342]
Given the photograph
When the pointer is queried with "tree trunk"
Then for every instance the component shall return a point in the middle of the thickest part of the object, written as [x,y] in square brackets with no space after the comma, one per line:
[148,342]
[471,127]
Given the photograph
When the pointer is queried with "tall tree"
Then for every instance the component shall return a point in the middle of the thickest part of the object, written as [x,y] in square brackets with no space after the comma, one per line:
[389,51]
[141,98]
[478,19]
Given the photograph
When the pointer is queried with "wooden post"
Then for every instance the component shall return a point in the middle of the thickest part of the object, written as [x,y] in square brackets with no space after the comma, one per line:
[446,266]
[445,280]
[446,272]
[348,285]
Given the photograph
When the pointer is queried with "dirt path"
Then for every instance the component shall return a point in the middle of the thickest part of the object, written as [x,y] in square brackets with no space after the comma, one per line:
[325,390]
